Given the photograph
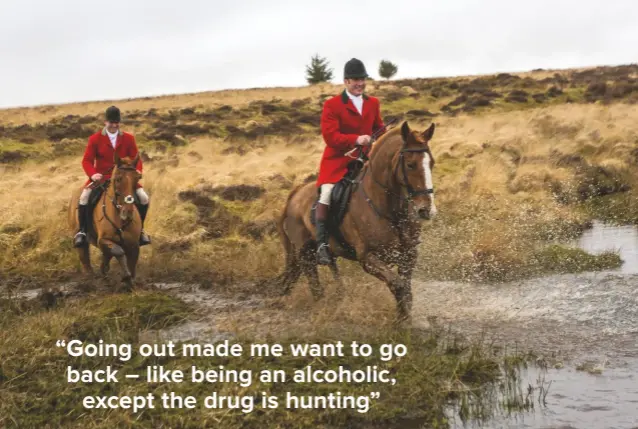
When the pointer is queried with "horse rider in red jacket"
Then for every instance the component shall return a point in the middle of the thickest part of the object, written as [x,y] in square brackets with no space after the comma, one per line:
[98,163]
[347,121]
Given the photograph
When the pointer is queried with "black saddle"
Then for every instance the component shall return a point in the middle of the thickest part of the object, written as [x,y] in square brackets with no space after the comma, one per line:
[339,204]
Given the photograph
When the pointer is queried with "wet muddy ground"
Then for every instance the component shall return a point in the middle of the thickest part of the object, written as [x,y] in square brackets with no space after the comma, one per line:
[584,327]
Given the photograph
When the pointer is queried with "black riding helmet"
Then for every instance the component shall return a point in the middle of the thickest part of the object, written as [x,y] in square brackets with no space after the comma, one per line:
[354,69]
[113,114]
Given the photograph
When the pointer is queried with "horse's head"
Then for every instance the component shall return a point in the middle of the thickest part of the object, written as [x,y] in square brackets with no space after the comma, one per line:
[413,166]
[125,177]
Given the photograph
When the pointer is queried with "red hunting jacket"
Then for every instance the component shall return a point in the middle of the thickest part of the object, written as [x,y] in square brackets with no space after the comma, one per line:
[341,124]
[99,154]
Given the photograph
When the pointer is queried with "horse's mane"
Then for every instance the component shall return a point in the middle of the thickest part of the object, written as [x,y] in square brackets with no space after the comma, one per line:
[382,141]
[127,160]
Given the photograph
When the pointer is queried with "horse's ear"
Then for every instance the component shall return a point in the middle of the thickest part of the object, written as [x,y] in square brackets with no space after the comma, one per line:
[405,131]
[137,158]
[117,159]
[427,134]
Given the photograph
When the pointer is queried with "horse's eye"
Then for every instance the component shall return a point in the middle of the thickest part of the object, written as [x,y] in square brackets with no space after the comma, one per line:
[411,165]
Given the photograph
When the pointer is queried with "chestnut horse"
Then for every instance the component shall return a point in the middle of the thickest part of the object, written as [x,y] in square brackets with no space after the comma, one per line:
[392,195]
[115,224]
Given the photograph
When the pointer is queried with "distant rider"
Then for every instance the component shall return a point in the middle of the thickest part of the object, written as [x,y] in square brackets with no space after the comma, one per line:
[98,163]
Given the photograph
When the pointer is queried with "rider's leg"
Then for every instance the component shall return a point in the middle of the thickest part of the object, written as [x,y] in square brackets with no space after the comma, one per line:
[323,251]
[142,207]
[83,216]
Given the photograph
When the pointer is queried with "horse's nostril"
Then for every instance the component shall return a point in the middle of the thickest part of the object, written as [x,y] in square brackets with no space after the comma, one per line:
[423,213]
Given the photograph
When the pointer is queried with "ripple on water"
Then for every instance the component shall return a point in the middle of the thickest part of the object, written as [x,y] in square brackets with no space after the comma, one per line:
[588,317]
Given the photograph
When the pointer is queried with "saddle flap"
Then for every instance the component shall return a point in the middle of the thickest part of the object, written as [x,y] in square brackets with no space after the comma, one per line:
[96,194]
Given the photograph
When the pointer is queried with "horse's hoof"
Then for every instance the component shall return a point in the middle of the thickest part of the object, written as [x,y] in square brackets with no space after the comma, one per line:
[126,285]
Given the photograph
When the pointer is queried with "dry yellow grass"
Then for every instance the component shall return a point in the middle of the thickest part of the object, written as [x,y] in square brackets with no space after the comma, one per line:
[493,179]
[507,184]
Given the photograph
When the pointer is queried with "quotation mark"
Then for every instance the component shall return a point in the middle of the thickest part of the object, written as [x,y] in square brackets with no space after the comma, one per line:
[375,395]
[60,343]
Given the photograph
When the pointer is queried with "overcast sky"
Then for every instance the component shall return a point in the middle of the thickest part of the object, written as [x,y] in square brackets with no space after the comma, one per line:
[75,50]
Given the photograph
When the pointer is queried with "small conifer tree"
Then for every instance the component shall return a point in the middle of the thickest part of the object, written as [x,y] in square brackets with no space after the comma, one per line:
[318,70]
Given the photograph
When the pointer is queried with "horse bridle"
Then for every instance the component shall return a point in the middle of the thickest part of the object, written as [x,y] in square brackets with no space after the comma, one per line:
[129,199]
[411,191]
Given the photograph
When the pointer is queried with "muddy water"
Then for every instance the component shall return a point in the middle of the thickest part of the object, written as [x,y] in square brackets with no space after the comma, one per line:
[570,320]
[588,320]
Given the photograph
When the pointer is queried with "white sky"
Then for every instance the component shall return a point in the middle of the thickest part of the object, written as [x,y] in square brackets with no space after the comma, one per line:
[76,50]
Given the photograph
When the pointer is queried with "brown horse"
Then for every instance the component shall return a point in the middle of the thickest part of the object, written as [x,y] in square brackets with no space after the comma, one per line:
[115,221]
[393,193]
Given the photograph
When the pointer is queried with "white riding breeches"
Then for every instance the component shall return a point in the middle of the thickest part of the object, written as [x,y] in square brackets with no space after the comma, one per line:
[86,193]
[326,189]
[141,195]
[84,197]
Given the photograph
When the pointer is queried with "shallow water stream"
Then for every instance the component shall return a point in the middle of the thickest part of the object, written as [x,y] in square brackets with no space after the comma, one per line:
[574,320]
[588,320]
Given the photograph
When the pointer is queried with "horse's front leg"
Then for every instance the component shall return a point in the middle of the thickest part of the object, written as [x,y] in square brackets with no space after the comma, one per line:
[85,259]
[106,262]
[373,265]
[114,249]
[133,255]
[405,268]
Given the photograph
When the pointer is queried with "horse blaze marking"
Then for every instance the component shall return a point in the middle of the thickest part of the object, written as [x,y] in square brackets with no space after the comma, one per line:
[428,177]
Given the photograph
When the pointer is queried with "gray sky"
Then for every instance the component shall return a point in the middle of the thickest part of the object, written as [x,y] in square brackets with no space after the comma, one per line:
[76,50]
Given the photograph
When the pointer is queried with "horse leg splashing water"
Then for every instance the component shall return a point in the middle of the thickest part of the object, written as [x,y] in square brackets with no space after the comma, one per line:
[116,222]
[394,195]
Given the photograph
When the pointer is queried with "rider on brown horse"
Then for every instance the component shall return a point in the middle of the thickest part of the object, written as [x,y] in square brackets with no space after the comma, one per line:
[347,121]
[98,163]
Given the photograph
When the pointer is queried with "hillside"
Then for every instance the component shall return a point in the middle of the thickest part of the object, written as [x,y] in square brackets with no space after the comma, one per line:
[524,163]
[517,157]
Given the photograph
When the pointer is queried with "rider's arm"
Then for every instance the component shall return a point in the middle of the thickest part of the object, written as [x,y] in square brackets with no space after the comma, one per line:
[88,160]
[331,134]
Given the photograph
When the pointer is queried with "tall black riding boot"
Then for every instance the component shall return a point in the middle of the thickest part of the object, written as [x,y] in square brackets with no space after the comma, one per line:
[83,216]
[323,250]
[144,238]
